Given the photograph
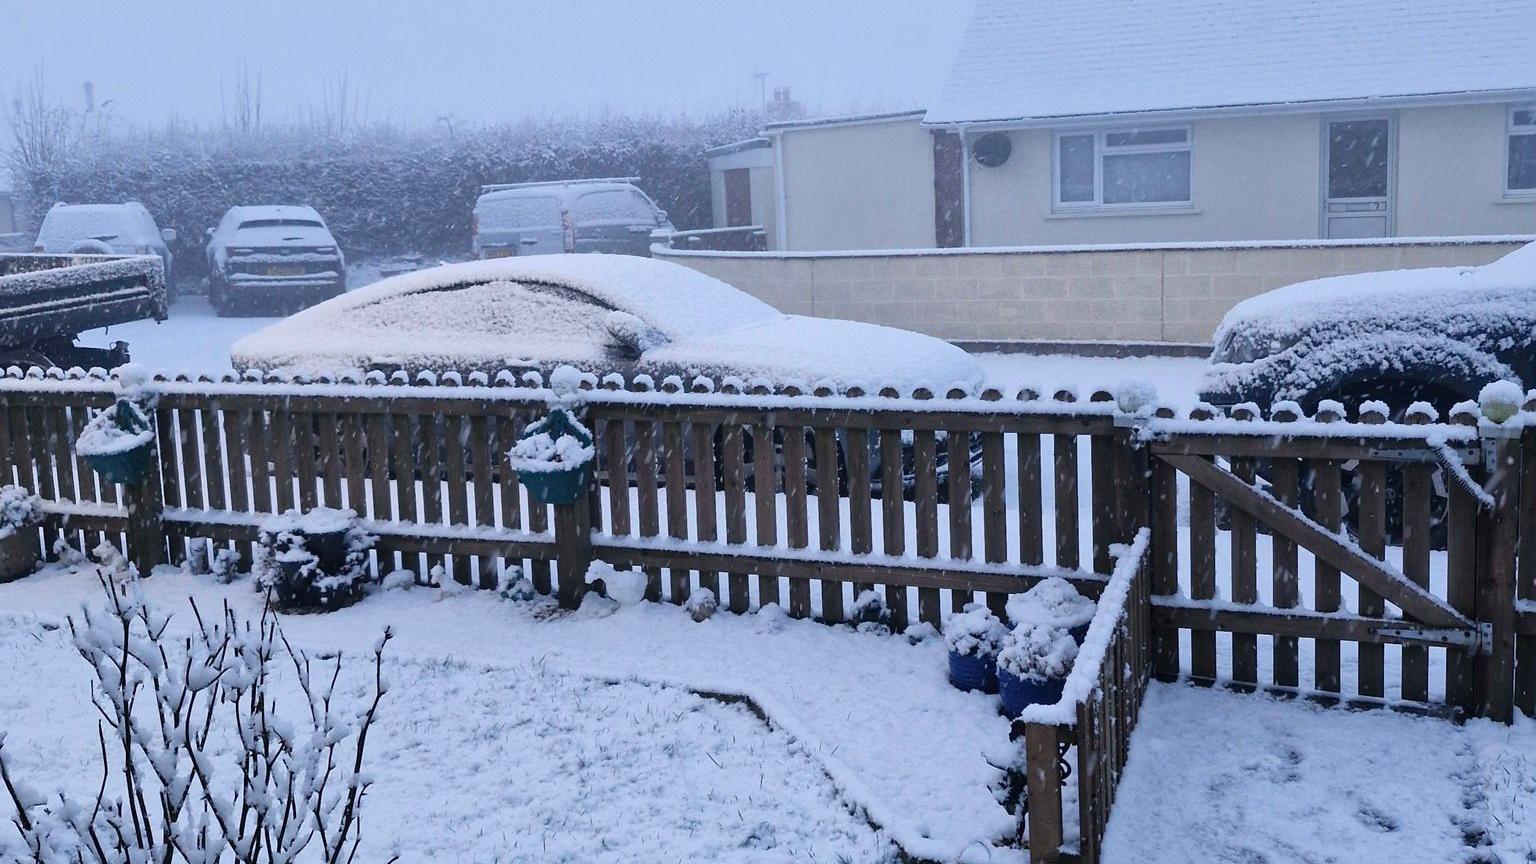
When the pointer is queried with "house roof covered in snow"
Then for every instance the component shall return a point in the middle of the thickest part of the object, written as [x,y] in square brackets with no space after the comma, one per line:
[1023,61]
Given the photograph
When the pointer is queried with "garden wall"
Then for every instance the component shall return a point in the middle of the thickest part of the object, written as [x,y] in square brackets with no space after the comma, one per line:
[1148,293]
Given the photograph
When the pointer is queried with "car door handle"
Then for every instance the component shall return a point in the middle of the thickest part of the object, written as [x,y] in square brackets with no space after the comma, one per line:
[530,241]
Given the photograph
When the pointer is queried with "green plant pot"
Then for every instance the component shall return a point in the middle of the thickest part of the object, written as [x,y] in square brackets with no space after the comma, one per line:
[566,486]
[128,467]
[19,553]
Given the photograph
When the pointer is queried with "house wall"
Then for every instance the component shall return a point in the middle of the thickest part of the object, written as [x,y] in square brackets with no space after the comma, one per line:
[1167,293]
[866,185]
[1451,170]
[869,185]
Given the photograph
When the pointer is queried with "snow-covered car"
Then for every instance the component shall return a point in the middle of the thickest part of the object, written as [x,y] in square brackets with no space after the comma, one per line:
[1436,335]
[610,215]
[104,229]
[599,313]
[272,258]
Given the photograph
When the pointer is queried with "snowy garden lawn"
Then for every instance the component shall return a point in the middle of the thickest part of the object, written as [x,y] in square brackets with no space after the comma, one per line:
[516,733]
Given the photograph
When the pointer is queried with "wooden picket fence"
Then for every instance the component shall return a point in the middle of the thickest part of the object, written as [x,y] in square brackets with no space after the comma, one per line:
[820,501]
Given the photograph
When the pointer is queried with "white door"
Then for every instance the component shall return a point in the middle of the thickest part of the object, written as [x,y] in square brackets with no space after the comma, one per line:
[1358,155]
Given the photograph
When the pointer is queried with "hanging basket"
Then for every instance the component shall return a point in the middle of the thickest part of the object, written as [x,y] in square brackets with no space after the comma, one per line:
[118,444]
[552,479]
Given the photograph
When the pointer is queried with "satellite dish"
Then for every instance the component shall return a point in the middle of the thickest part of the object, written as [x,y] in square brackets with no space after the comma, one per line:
[992,149]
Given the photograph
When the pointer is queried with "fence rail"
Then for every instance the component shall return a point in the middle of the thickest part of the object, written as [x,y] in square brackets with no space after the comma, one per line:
[1370,561]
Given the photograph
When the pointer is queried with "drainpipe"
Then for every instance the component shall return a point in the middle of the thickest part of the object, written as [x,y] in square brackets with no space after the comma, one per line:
[781,197]
[965,187]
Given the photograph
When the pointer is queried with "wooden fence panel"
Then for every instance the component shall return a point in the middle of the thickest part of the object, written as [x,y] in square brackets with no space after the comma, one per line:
[765,500]
[828,513]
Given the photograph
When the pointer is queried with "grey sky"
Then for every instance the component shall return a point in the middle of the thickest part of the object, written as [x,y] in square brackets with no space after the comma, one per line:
[481,59]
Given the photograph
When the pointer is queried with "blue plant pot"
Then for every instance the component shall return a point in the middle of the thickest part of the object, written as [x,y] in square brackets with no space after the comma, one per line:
[128,467]
[972,672]
[566,486]
[1020,693]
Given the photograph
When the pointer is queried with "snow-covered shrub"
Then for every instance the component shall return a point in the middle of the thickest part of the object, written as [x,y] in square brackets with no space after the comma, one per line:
[1052,601]
[869,610]
[702,604]
[225,566]
[1501,400]
[315,558]
[19,509]
[1038,653]
[770,618]
[976,632]
[625,587]
[171,707]
[540,452]
[516,587]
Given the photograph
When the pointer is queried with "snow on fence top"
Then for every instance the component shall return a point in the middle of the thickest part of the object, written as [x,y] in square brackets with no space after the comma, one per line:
[614,389]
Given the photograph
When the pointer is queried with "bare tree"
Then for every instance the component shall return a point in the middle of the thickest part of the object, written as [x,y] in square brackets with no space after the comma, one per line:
[245,114]
[162,698]
[41,133]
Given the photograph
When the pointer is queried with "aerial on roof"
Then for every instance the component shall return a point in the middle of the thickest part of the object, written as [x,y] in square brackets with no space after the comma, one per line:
[1033,61]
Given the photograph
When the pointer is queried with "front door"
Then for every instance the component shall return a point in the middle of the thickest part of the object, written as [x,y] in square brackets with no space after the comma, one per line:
[1358,178]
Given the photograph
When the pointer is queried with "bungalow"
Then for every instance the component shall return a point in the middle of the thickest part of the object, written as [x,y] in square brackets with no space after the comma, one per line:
[1126,121]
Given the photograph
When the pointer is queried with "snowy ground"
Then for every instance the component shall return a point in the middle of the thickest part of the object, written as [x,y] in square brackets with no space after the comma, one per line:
[516,733]
[1217,776]
[193,339]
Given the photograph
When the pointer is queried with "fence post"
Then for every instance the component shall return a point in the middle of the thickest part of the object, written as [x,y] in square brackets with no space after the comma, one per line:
[1497,541]
[1044,785]
[573,550]
[145,500]
[1525,646]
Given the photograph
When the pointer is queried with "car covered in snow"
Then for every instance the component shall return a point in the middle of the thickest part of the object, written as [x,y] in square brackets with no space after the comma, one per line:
[1435,335]
[609,215]
[273,258]
[599,313]
[104,229]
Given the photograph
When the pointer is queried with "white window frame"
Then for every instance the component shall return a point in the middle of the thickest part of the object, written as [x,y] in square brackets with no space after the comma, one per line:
[1100,150]
[1511,131]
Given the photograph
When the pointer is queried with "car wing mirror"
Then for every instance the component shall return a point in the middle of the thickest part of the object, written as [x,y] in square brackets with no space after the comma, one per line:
[631,335]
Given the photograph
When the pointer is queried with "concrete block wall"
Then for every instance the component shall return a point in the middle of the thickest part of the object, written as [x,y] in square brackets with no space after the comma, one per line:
[1155,293]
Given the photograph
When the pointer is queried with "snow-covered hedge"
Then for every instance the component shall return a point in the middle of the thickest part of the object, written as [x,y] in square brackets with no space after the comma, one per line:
[382,190]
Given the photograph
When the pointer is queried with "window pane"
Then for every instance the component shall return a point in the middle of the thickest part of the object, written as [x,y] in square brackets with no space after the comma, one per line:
[616,205]
[1522,162]
[1358,159]
[1146,178]
[1525,117]
[1077,168]
[1140,137]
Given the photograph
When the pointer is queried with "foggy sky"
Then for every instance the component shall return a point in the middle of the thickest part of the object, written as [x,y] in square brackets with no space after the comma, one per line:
[479,59]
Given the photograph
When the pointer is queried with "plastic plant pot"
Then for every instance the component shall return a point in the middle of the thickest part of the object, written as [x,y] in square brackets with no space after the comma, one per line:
[1080,632]
[559,485]
[19,553]
[128,467]
[1020,693]
[330,548]
[973,672]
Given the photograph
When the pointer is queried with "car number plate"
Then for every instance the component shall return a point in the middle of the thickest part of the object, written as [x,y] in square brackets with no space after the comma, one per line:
[286,270]
[501,252]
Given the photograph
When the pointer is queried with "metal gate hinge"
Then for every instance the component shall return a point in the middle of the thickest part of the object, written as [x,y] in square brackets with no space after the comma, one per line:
[1479,639]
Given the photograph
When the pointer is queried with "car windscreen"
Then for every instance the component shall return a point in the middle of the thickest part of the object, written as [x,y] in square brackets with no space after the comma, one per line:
[72,224]
[464,325]
[280,223]
[613,205]
[519,211]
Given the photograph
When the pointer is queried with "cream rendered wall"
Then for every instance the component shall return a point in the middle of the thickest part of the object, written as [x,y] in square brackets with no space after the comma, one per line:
[1451,165]
[859,185]
[1255,178]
